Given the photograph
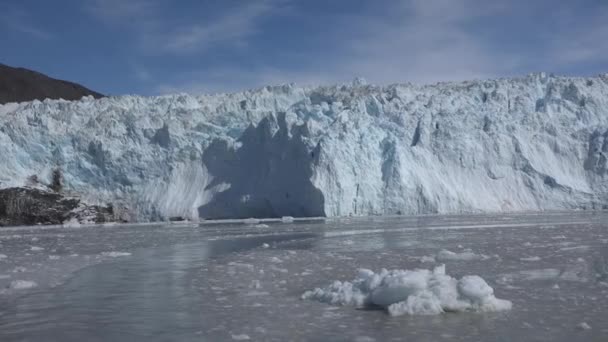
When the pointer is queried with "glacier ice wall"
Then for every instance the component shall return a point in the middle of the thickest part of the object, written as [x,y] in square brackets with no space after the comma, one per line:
[533,143]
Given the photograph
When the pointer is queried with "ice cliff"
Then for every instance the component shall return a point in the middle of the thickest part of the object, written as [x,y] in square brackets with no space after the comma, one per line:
[533,143]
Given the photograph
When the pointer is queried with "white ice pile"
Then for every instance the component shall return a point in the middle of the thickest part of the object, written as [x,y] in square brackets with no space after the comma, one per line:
[413,292]
[532,143]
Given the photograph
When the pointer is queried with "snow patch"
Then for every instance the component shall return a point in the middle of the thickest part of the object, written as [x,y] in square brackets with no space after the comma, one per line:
[417,292]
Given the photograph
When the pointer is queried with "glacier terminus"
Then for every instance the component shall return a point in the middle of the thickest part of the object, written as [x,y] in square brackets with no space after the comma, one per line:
[538,142]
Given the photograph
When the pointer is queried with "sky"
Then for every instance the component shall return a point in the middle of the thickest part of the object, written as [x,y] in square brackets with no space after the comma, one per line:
[152,47]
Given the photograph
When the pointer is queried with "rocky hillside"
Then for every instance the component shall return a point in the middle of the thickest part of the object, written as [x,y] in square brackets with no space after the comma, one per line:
[20,85]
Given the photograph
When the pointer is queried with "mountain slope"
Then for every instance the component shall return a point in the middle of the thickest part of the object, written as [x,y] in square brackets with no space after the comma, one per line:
[533,143]
[20,85]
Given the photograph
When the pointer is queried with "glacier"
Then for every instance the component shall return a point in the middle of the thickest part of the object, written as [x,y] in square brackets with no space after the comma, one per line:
[538,142]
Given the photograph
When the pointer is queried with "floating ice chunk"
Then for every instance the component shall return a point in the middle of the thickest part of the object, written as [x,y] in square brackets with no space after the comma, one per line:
[115,254]
[265,245]
[427,258]
[275,260]
[286,219]
[261,226]
[583,326]
[241,337]
[533,258]
[54,257]
[467,255]
[413,292]
[22,284]
[3,256]
[36,249]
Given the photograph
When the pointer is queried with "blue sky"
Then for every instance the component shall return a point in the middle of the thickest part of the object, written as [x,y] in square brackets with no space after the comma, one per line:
[161,46]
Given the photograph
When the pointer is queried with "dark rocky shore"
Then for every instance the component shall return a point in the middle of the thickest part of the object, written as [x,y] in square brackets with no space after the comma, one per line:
[34,206]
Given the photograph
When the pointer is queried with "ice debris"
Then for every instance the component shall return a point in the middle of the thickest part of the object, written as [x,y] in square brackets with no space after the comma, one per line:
[412,292]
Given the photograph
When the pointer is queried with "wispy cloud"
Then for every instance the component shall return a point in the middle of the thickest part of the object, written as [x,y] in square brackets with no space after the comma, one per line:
[233,28]
[119,11]
[155,32]
[427,41]
[20,21]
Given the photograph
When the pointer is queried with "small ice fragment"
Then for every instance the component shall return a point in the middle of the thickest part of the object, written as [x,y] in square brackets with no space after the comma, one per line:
[261,226]
[22,284]
[115,254]
[265,245]
[5,276]
[427,258]
[54,257]
[36,249]
[533,258]
[251,220]
[445,255]
[276,260]
[255,284]
[3,256]
[555,286]
[287,219]
[19,269]
[583,326]
[241,337]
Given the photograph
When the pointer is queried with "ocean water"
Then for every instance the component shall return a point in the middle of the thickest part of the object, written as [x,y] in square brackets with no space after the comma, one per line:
[244,280]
